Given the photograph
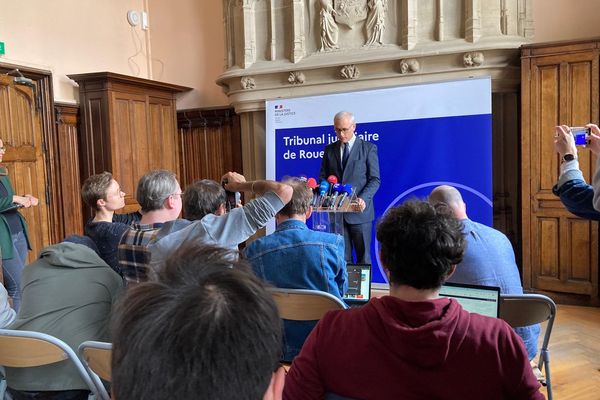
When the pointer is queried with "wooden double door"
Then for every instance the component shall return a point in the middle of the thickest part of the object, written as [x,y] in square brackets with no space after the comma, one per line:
[560,250]
[21,131]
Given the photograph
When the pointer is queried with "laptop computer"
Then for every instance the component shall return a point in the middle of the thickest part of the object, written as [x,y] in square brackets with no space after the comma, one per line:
[484,300]
[359,284]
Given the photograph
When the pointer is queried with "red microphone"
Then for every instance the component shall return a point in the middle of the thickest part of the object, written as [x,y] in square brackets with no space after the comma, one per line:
[311,183]
[332,179]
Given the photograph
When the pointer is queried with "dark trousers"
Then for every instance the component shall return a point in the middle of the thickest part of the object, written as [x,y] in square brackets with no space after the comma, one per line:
[357,237]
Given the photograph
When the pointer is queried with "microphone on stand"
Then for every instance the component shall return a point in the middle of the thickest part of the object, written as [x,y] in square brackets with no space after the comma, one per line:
[347,191]
[337,188]
[332,179]
[312,184]
[323,188]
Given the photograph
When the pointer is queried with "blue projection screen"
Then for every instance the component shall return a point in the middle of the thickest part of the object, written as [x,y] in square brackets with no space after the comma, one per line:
[426,134]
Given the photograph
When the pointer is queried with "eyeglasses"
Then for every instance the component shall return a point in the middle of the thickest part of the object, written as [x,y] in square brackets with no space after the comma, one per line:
[3,148]
[177,194]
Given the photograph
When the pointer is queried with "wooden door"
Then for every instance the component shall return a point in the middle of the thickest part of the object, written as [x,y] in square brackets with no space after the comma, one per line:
[560,250]
[21,131]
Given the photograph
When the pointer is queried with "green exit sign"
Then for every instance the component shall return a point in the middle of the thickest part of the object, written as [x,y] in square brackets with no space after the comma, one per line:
[1,48]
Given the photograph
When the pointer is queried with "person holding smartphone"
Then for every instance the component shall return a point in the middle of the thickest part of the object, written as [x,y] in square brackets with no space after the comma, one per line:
[574,192]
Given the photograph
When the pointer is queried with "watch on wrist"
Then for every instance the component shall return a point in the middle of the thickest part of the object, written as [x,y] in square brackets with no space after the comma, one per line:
[568,157]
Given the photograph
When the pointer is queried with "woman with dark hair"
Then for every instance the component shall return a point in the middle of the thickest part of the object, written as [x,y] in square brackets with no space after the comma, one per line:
[14,242]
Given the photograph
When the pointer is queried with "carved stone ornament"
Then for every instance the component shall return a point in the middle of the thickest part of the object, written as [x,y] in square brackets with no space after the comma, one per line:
[350,72]
[473,59]
[349,12]
[247,82]
[409,66]
[376,22]
[296,78]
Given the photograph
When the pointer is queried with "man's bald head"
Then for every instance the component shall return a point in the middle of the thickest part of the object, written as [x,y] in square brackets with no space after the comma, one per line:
[451,197]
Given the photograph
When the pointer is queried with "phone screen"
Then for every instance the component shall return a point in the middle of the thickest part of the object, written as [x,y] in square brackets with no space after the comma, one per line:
[580,135]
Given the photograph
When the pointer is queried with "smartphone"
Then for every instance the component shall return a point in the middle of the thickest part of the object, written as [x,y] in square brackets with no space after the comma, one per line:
[232,198]
[581,135]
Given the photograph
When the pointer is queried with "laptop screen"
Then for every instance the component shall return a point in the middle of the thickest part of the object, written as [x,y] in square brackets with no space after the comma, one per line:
[359,283]
[484,300]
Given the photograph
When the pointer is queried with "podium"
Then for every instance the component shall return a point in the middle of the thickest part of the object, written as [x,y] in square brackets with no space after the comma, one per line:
[328,213]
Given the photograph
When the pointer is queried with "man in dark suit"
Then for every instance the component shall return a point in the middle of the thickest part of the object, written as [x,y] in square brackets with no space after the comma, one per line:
[354,161]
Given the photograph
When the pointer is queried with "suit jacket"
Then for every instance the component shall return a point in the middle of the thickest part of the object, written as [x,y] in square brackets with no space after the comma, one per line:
[362,172]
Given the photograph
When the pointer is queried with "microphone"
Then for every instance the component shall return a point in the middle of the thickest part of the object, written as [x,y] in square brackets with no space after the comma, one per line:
[312,184]
[337,188]
[332,179]
[323,188]
[347,191]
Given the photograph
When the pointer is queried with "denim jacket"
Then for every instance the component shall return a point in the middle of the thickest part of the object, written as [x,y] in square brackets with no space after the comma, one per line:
[296,257]
[576,195]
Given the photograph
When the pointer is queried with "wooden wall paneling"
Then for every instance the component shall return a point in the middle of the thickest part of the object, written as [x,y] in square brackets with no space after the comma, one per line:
[71,204]
[505,171]
[560,251]
[210,143]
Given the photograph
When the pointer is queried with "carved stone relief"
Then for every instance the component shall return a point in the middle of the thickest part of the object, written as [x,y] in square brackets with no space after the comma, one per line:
[247,82]
[409,66]
[350,72]
[473,59]
[329,28]
[349,12]
[376,22]
[296,78]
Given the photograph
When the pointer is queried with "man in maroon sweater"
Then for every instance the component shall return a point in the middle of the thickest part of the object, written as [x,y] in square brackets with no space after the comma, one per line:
[413,344]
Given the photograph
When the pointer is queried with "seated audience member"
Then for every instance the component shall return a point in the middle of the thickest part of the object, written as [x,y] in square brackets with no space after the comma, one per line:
[67,293]
[7,314]
[297,257]
[202,198]
[206,323]
[576,195]
[413,344]
[227,230]
[489,258]
[104,195]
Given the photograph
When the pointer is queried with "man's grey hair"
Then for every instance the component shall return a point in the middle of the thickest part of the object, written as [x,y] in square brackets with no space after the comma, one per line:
[344,114]
[154,187]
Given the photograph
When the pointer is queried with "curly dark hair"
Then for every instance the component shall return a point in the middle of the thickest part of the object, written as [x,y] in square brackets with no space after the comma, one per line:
[420,243]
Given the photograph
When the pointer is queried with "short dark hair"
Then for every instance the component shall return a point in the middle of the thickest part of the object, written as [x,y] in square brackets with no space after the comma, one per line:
[207,323]
[202,198]
[94,188]
[154,187]
[301,198]
[420,243]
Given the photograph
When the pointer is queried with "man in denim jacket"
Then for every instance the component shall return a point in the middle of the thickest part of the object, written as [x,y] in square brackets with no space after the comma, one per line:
[296,257]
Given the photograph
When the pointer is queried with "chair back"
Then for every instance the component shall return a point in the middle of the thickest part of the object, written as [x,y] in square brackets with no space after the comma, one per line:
[528,309]
[24,349]
[304,304]
[97,357]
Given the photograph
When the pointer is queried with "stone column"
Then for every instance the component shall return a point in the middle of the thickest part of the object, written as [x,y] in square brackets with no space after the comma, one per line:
[473,20]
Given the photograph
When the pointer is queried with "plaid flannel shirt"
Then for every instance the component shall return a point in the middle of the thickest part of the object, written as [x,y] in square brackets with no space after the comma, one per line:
[134,255]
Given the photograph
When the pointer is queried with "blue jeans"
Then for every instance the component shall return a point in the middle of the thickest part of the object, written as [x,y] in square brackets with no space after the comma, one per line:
[13,268]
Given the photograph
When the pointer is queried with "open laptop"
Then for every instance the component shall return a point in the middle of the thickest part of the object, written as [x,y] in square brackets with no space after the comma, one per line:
[359,284]
[484,300]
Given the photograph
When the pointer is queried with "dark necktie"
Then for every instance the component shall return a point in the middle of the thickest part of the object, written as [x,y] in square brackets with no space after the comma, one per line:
[345,155]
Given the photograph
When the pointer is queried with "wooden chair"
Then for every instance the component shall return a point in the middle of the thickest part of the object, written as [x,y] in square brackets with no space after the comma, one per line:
[25,349]
[304,304]
[96,357]
[530,309]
